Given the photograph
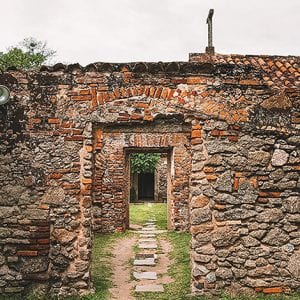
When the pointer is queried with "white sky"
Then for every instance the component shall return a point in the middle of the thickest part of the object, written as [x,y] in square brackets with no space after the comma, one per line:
[88,31]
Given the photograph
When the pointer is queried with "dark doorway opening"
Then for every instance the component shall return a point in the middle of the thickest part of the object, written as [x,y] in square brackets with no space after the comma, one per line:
[146,186]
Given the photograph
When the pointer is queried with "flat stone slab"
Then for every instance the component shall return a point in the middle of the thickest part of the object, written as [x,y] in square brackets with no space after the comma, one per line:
[147,235]
[145,275]
[145,240]
[148,228]
[149,224]
[145,255]
[148,245]
[149,288]
[151,231]
[144,262]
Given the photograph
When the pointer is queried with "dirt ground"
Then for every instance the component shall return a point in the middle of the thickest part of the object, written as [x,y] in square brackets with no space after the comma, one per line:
[122,253]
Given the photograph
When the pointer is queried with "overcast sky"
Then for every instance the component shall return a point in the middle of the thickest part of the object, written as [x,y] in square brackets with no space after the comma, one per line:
[88,31]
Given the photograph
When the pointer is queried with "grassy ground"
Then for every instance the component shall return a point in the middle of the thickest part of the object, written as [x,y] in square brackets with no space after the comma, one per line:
[140,213]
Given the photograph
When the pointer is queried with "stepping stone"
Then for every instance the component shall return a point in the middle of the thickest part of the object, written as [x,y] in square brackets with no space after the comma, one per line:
[147,235]
[145,255]
[151,231]
[145,275]
[144,262]
[149,288]
[149,224]
[148,245]
[147,240]
[148,228]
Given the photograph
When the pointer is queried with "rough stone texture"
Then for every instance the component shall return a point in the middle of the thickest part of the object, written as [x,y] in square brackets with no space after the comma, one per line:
[230,128]
[151,288]
[145,275]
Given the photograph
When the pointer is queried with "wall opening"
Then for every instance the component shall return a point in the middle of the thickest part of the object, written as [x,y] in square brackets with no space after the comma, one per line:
[149,187]
[146,187]
[112,194]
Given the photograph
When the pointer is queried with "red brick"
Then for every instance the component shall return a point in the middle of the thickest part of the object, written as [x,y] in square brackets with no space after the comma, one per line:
[215,132]
[84,92]
[74,138]
[273,290]
[81,98]
[158,92]
[196,141]
[196,134]
[43,241]
[136,117]
[249,82]
[86,180]
[236,184]
[148,118]
[55,176]
[53,121]
[233,138]
[195,80]
[224,133]
[270,194]
[27,253]
[198,126]
[36,121]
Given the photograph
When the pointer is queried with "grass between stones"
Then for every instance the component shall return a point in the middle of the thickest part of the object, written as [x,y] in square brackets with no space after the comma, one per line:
[140,213]
[180,270]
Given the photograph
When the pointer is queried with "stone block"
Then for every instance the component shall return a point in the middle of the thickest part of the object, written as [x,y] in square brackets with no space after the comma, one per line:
[145,275]
[144,262]
[201,215]
[279,158]
[224,237]
[276,237]
[152,288]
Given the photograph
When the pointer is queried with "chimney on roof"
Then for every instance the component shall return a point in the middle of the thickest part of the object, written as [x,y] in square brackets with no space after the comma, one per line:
[210,49]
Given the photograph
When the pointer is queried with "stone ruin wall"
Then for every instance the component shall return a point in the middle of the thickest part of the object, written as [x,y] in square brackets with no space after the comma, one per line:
[242,198]
[161,178]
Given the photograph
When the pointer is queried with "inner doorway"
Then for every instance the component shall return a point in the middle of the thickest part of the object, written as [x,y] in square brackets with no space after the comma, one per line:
[146,187]
[149,178]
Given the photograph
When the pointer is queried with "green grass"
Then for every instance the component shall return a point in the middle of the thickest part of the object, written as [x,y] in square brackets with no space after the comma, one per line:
[140,213]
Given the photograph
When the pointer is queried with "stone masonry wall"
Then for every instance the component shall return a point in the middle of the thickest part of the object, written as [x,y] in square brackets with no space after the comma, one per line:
[240,197]
[161,173]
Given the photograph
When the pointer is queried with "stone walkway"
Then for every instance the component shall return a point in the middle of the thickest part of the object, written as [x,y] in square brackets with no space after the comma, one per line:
[150,252]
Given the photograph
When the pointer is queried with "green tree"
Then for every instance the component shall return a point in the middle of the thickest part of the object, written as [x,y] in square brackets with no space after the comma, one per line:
[29,54]
[143,162]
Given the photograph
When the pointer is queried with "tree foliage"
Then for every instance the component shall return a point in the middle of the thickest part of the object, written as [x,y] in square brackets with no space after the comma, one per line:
[29,54]
[143,162]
